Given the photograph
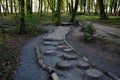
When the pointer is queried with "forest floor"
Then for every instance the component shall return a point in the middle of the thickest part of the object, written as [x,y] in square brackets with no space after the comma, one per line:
[105,51]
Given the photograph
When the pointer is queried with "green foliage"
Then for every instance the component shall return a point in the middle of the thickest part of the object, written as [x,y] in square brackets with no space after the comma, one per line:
[33,30]
[30,30]
[89,32]
[80,13]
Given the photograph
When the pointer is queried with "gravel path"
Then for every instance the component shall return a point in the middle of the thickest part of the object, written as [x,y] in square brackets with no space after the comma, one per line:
[29,68]
[107,32]
[87,51]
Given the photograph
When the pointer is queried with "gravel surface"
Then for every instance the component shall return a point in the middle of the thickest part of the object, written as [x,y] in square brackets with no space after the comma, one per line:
[29,68]
[85,50]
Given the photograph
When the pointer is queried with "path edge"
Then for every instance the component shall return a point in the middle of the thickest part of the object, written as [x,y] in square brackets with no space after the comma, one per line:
[109,74]
[52,74]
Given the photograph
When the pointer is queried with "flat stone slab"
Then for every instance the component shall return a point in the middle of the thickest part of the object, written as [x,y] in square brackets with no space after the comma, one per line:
[61,47]
[82,64]
[69,57]
[49,53]
[61,43]
[58,34]
[68,50]
[64,65]
[55,44]
[93,74]
[46,43]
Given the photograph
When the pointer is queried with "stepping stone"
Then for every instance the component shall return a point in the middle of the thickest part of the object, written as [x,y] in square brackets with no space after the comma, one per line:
[61,47]
[93,74]
[61,43]
[69,57]
[46,43]
[64,65]
[67,50]
[49,53]
[83,65]
[55,44]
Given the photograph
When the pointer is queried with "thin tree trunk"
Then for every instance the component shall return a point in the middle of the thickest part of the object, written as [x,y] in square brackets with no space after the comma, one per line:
[15,10]
[71,5]
[11,6]
[6,10]
[101,9]
[74,11]
[115,7]
[41,7]
[22,19]
[58,12]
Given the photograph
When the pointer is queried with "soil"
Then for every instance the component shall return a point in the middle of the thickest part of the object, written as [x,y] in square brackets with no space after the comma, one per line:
[102,52]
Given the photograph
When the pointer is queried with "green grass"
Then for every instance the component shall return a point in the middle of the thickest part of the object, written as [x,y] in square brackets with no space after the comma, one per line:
[111,20]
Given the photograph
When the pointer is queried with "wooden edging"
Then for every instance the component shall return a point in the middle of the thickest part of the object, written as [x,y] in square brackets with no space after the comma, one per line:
[109,74]
[39,57]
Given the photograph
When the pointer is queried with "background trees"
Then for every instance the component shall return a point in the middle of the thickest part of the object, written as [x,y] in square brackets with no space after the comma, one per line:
[57,8]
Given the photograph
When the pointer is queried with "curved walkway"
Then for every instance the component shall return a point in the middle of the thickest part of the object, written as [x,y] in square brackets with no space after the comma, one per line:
[28,68]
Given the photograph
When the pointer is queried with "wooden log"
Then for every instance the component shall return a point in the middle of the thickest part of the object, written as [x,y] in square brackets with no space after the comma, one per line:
[54,76]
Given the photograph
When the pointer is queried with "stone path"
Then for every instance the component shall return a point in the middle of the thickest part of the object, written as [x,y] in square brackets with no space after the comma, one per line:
[55,56]
[58,34]
[60,58]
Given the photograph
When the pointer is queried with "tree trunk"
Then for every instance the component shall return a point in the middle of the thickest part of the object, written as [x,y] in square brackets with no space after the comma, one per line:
[58,12]
[6,10]
[22,19]
[15,10]
[29,6]
[88,7]
[71,5]
[101,10]
[41,7]
[115,7]
[11,6]
[74,11]
[84,6]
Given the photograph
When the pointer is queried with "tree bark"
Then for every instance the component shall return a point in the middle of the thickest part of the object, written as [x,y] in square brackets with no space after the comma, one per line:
[22,19]
[11,6]
[74,11]
[58,12]
[29,6]
[101,10]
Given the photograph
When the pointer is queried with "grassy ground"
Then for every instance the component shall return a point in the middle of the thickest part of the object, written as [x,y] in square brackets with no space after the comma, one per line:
[114,20]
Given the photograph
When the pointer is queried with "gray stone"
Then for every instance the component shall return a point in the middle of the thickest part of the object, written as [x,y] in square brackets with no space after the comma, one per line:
[55,44]
[93,74]
[83,65]
[69,57]
[61,47]
[49,53]
[61,43]
[46,43]
[68,50]
[64,65]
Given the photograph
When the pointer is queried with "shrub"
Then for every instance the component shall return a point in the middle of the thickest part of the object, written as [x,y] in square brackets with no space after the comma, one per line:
[89,32]
[80,13]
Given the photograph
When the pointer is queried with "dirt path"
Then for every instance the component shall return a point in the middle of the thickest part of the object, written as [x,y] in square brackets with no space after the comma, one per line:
[109,33]
[99,54]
